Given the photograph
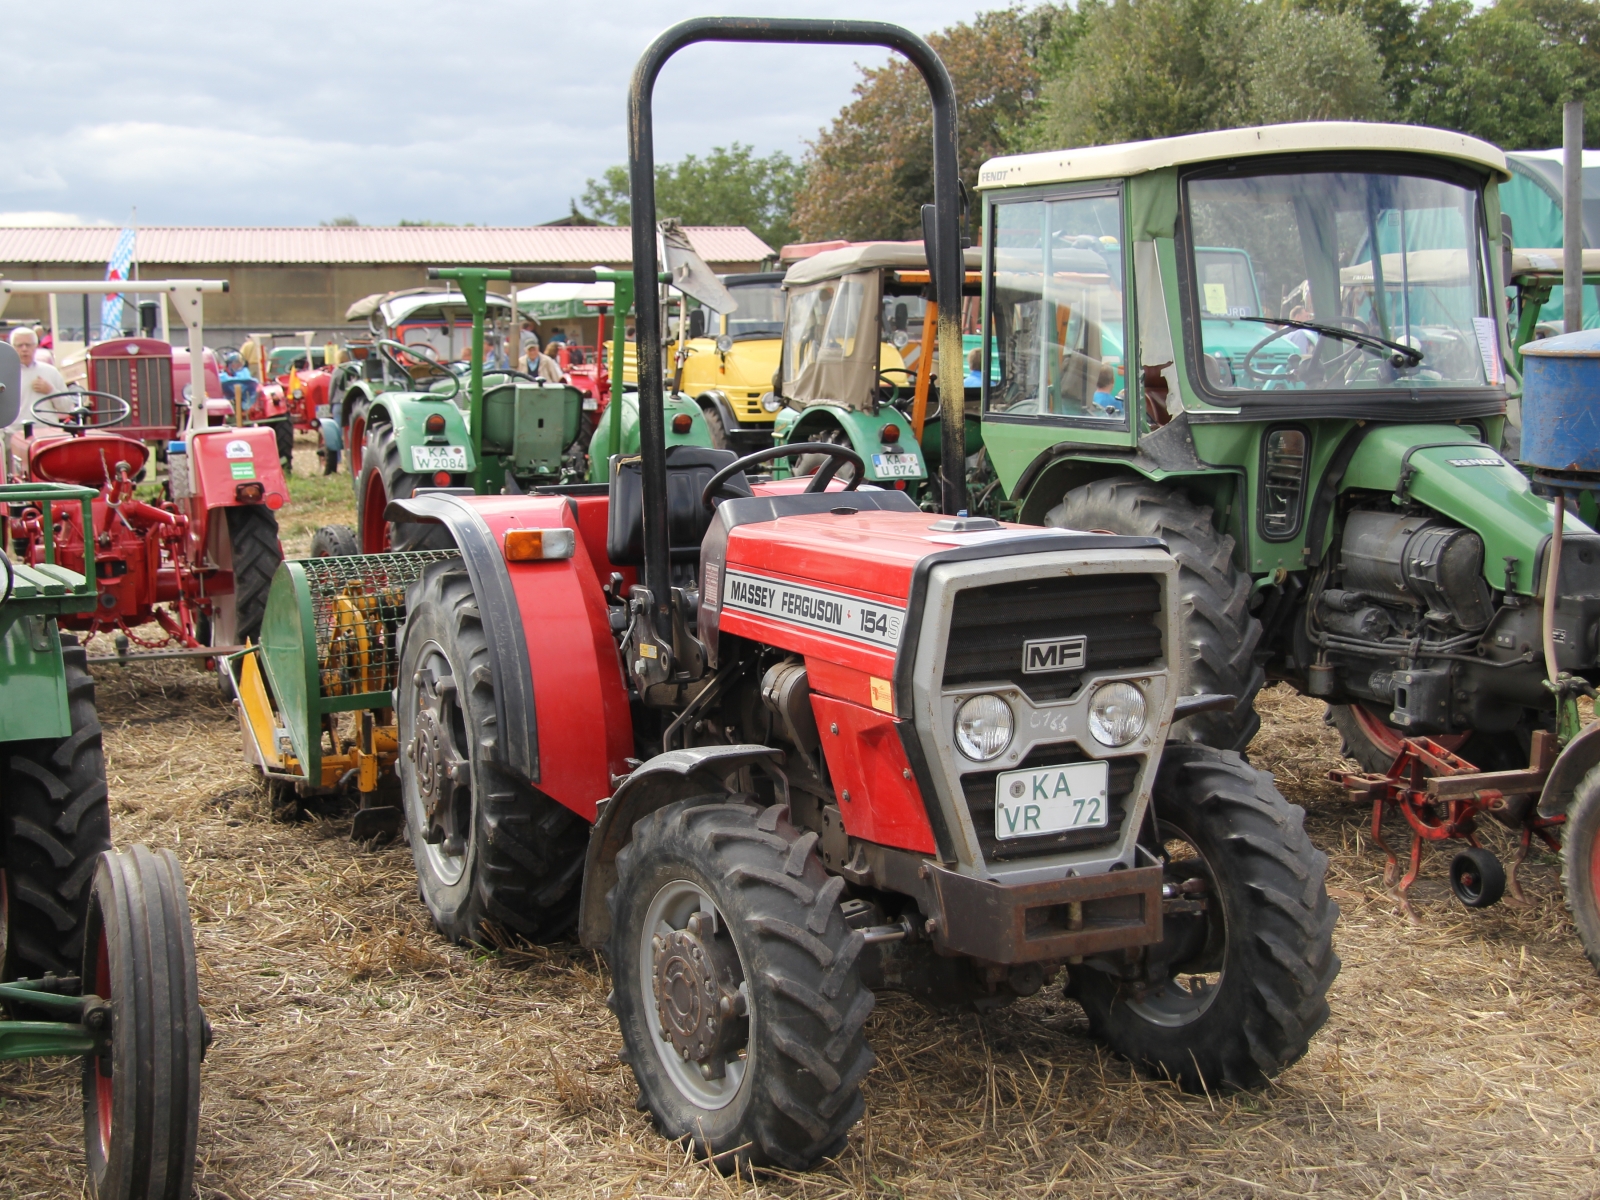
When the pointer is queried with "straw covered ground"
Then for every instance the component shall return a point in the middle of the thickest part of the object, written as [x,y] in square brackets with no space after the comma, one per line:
[358,1055]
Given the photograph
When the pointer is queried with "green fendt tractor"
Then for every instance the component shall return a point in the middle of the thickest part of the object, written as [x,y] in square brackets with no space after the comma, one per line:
[1313,323]
[488,431]
[96,950]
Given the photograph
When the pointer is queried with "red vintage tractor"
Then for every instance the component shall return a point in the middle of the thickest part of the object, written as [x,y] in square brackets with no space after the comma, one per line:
[774,746]
[197,559]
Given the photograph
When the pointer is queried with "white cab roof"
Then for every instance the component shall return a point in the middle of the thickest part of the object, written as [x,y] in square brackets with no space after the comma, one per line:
[1136,158]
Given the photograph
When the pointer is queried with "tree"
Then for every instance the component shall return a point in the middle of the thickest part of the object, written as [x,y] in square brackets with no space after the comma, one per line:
[1503,73]
[1158,68]
[729,186]
[869,173]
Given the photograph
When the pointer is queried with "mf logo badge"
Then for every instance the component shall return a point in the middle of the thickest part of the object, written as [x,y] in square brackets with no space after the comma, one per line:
[1045,655]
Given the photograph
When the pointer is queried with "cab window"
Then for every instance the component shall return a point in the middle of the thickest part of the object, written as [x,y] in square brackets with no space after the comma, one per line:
[1056,309]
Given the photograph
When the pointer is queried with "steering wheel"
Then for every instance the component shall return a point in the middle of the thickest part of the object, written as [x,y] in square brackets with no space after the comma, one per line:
[391,350]
[838,456]
[81,418]
[515,374]
[883,377]
[1325,370]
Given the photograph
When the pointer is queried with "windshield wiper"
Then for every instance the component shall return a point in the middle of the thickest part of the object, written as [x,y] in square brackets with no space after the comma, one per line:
[1403,356]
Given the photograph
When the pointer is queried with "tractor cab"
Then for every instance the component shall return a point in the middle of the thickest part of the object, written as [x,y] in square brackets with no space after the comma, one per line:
[856,321]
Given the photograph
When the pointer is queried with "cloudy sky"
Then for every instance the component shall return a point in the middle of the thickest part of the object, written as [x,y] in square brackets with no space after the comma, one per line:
[299,111]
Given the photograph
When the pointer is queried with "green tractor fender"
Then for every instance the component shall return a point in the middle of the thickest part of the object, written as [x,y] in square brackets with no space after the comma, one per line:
[864,433]
[1447,468]
[1060,470]
[695,433]
[408,413]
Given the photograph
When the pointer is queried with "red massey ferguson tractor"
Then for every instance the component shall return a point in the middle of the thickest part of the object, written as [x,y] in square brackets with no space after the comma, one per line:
[199,558]
[773,747]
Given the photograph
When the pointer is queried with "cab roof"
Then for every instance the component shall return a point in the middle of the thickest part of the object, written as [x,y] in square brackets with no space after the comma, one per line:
[867,256]
[1137,158]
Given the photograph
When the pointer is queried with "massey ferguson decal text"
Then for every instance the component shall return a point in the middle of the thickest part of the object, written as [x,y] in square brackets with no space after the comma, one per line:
[845,616]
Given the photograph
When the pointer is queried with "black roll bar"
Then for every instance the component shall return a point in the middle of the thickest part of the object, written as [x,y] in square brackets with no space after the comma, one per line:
[944,256]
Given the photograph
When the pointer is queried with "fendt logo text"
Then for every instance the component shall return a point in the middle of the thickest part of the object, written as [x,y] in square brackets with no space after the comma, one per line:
[1054,654]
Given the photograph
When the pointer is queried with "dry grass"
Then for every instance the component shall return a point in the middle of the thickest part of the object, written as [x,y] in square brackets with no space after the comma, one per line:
[357,1055]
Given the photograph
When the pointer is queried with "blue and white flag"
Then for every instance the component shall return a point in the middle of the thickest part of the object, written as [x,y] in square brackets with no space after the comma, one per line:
[118,268]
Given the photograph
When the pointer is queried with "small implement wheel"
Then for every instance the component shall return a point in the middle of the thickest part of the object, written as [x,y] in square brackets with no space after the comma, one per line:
[1238,984]
[487,847]
[141,1096]
[56,823]
[334,541]
[736,987]
[1477,878]
[1580,863]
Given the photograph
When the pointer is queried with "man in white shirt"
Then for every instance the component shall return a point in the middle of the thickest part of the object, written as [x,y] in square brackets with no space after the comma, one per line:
[38,378]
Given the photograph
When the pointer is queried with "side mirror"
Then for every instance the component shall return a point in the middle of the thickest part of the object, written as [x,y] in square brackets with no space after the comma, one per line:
[902,317]
[697,323]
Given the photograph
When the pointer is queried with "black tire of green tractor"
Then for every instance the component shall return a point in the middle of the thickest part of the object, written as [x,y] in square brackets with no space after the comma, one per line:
[806,1053]
[284,431]
[57,820]
[141,1104]
[714,424]
[382,480]
[334,541]
[257,554]
[810,464]
[1219,634]
[1275,949]
[355,441]
[523,860]
[1580,863]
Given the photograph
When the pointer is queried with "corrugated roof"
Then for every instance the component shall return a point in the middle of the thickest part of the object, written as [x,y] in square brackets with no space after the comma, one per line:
[432,246]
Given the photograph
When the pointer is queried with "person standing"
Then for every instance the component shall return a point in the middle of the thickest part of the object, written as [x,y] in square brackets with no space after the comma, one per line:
[38,378]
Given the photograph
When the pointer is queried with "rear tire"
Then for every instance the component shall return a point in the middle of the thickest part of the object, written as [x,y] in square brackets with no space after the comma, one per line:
[57,820]
[382,480]
[334,541]
[500,852]
[1219,633]
[355,440]
[810,464]
[141,1102]
[1580,863]
[1266,934]
[792,1061]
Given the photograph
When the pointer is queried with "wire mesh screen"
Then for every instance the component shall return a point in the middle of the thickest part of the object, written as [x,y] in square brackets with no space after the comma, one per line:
[358,605]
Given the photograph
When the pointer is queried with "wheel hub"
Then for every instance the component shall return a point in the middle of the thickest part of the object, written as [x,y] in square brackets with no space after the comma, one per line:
[699,1007]
[441,769]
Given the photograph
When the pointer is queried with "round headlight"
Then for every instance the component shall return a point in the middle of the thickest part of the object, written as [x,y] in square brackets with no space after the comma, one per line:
[771,402]
[1116,714]
[983,727]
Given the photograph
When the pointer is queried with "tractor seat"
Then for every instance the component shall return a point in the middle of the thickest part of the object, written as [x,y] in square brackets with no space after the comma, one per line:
[89,460]
[689,469]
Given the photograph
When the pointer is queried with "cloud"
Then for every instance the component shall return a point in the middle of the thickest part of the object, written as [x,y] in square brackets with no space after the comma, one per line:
[14,220]
[442,110]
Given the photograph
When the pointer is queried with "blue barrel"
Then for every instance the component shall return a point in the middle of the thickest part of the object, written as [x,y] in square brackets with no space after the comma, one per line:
[1561,407]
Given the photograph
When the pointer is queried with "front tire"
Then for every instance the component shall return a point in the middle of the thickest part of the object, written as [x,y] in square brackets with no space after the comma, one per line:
[714,424]
[1220,636]
[1247,976]
[383,479]
[257,554]
[57,820]
[141,1101]
[736,985]
[488,848]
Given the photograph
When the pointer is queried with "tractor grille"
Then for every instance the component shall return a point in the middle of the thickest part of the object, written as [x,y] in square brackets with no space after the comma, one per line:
[357,607]
[979,789]
[1118,615]
[145,383]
